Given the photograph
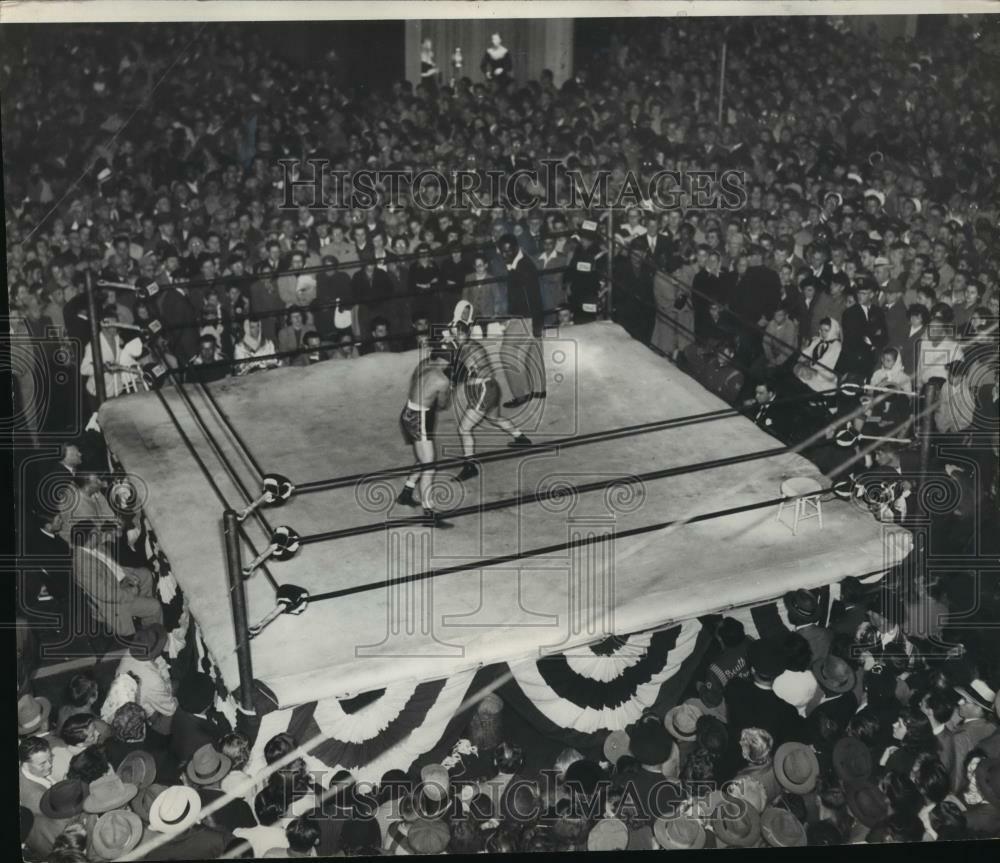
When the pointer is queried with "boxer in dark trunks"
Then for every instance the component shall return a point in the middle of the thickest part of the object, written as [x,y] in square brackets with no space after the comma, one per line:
[473,371]
[430,391]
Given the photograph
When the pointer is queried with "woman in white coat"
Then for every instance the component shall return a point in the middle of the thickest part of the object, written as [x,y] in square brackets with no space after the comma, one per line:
[816,367]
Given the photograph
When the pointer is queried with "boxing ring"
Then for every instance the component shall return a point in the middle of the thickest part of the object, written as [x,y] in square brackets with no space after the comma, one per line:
[553,548]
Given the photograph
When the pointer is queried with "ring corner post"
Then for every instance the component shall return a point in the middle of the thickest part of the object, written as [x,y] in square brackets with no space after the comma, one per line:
[238,600]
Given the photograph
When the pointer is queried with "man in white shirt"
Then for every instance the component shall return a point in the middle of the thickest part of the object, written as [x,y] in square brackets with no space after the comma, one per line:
[937,350]
[145,662]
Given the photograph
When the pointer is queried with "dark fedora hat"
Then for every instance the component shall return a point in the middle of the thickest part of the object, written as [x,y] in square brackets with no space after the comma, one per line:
[852,761]
[834,674]
[139,768]
[650,742]
[867,803]
[796,767]
[803,603]
[64,799]
[765,658]
[208,765]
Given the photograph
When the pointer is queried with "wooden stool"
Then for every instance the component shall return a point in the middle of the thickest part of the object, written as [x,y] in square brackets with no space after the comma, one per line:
[806,503]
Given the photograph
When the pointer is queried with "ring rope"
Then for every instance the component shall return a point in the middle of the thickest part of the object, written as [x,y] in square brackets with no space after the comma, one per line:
[535,497]
[207,474]
[558,443]
[593,539]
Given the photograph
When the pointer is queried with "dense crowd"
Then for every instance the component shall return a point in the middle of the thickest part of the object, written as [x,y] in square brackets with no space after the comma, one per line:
[866,254]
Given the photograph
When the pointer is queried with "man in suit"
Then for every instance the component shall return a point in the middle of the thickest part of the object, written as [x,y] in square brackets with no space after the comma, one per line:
[657,249]
[587,264]
[118,593]
[974,705]
[865,334]
[804,609]
[753,704]
[48,577]
[86,502]
[522,350]
[835,699]
[707,287]
[553,292]
[774,418]
[897,321]
[205,772]
[192,728]
[180,319]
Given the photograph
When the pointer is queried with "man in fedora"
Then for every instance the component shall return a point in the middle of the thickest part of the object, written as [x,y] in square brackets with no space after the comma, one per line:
[145,662]
[205,772]
[975,703]
[33,715]
[682,834]
[116,833]
[796,767]
[736,824]
[804,609]
[835,698]
[108,793]
[175,813]
[781,829]
[62,804]
[681,723]
[655,783]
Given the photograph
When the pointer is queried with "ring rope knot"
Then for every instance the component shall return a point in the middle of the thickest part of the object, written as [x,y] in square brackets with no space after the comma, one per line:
[290,599]
[284,544]
[275,490]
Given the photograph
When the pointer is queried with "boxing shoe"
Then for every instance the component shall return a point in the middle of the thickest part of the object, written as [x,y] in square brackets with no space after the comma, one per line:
[520,440]
[406,497]
[468,471]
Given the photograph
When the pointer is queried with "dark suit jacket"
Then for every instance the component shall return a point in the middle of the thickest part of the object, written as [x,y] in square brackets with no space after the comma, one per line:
[839,710]
[897,324]
[234,814]
[197,843]
[660,256]
[156,745]
[54,562]
[188,733]
[749,706]
[857,356]
[177,310]
[524,293]
[911,350]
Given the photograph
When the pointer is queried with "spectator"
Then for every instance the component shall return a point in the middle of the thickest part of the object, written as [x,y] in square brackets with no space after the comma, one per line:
[254,352]
[118,593]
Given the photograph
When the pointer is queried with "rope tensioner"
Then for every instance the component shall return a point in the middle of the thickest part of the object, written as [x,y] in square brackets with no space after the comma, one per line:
[283,545]
[290,598]
[275,490]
